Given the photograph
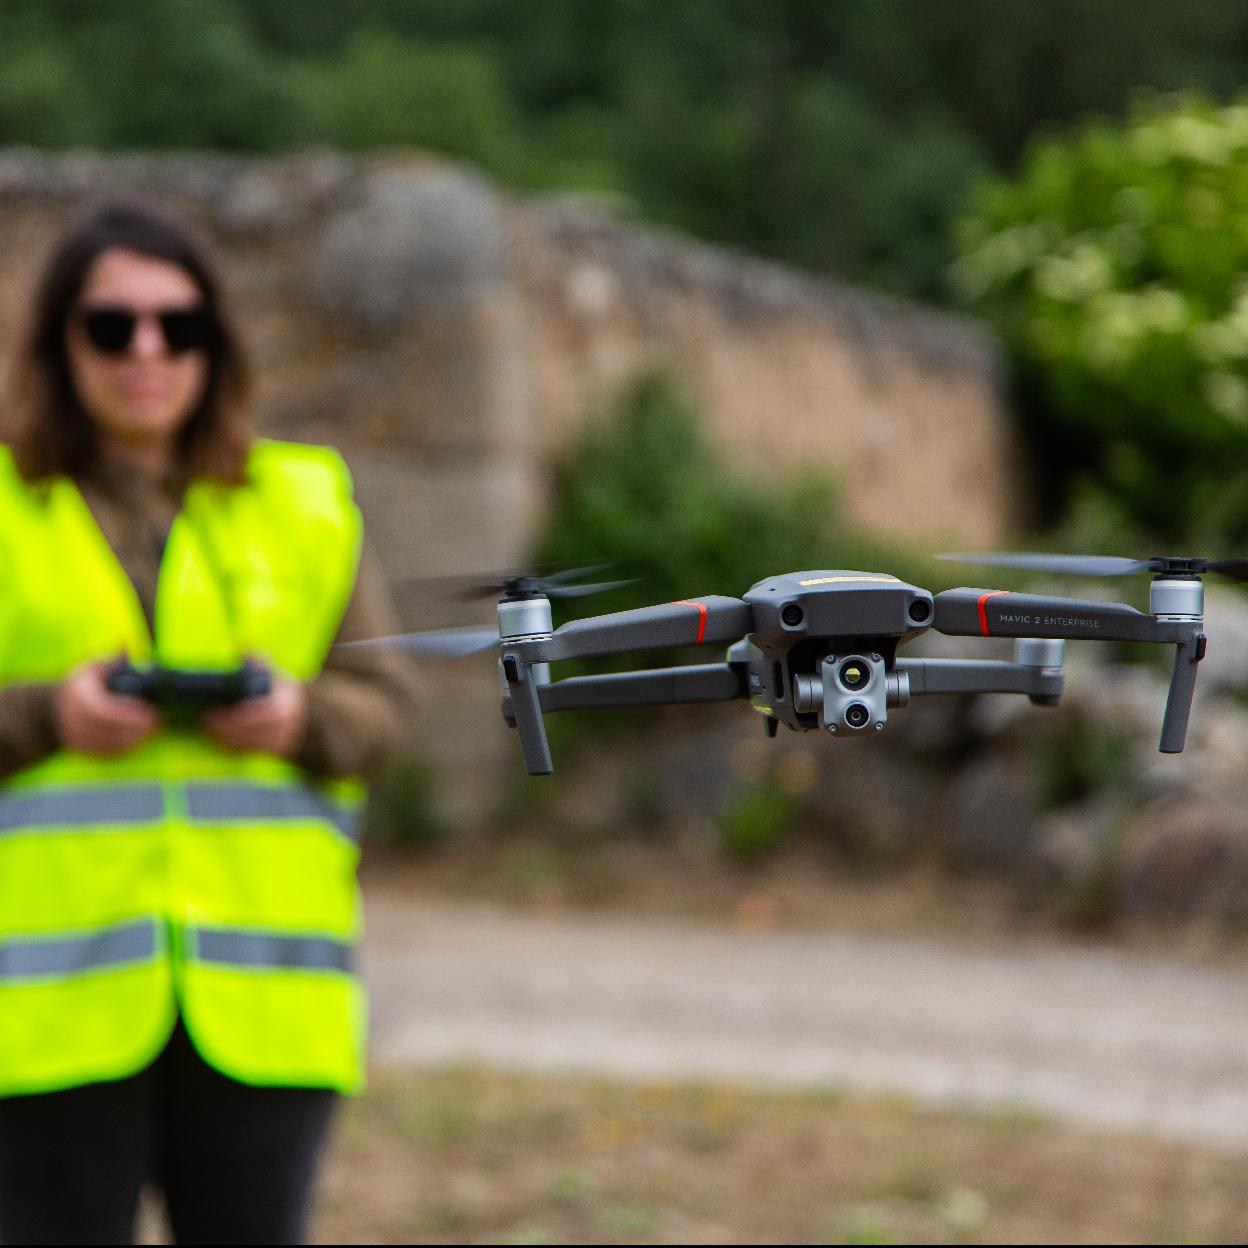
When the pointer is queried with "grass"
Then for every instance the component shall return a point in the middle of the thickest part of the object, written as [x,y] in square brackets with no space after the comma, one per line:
[466,1155]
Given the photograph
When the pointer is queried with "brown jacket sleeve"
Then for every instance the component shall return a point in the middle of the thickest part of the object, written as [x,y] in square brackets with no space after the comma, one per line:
[360,706]
[27,725]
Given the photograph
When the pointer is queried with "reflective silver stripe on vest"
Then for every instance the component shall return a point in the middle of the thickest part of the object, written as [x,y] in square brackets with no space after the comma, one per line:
[257,801]
[31,958]
[80,808]
[267,951]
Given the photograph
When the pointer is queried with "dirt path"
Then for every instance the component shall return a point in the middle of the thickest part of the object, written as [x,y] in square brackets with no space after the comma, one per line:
[1101,1036]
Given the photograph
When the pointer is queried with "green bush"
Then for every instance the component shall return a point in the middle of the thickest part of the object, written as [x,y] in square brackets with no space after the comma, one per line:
[645,486]
[1085,761]
[403,809]
[1116,264]
[383,90]
[756,819]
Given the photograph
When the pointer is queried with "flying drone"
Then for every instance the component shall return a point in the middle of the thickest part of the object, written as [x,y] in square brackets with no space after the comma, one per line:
[817,651]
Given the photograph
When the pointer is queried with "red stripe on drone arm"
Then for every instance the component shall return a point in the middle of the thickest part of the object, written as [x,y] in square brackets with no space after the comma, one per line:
[701,606]
[983,612]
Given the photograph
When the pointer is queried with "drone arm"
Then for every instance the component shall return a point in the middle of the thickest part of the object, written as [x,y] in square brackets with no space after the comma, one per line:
[996,613]
[692,623]
[929,676]
[712,619]
[709,682]
[1000,613]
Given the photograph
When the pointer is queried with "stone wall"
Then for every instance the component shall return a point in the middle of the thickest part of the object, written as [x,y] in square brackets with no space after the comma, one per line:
[448,338]
[899,402]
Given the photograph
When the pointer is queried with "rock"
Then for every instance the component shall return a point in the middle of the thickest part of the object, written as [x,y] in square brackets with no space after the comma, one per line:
[873,799]
[1073,846]
[992,813]
[1217,747]
[415,237]
[277,196]
[1225,667]
[1186,858]
[697,770]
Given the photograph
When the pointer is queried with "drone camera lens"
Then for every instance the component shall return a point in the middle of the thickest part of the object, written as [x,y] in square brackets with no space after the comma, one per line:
[854,673]
[792,615]
[857,715]
[920,610]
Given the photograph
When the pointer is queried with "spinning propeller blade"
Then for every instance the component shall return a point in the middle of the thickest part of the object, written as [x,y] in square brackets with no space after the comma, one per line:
[1107,565]
[455,643]
[1077,565]
[443,643]
[1236,569]
[554,585]
[583,591]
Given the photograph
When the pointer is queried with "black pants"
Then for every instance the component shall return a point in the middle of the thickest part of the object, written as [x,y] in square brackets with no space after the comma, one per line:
[236,1163]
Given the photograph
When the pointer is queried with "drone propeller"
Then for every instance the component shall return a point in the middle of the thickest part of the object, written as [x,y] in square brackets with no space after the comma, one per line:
[457,643]
[525,584]
[1107,565]
[1236,569]
[442,643]
[582,591]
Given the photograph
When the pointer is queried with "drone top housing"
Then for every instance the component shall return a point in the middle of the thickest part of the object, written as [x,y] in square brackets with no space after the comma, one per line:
[824,645]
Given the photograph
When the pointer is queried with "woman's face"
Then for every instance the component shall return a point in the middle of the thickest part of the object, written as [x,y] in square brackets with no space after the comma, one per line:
[140,393]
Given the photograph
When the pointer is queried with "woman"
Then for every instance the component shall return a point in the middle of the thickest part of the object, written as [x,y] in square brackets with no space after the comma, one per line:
[177,896]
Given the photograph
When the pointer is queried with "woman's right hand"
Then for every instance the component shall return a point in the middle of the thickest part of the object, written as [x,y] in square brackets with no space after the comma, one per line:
[93,720]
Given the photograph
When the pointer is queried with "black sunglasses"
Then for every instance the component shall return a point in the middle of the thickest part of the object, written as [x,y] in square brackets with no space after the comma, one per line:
[111,330]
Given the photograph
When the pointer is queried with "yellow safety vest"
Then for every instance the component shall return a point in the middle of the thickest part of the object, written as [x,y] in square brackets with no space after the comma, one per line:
[180,876]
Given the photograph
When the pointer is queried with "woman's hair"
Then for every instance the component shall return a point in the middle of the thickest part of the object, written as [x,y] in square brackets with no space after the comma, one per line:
[44,422]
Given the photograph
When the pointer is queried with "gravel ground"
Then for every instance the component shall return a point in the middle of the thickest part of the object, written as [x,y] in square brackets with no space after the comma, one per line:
[1102,1037]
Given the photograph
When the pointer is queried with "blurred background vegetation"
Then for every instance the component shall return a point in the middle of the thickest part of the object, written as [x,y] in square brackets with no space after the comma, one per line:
[843,137]
[1115,262]
[895,145]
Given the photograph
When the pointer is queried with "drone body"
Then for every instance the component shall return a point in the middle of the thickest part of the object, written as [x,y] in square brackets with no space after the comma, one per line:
[826,646]
[818,650]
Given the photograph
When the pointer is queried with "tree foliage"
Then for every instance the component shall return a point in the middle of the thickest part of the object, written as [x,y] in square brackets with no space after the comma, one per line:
[839,136]
[1116,262]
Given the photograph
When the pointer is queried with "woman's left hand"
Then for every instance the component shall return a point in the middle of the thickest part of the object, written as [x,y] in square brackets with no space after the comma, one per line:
[273,724]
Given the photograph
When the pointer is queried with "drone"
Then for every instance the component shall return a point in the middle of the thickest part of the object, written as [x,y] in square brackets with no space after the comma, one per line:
[817,651]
